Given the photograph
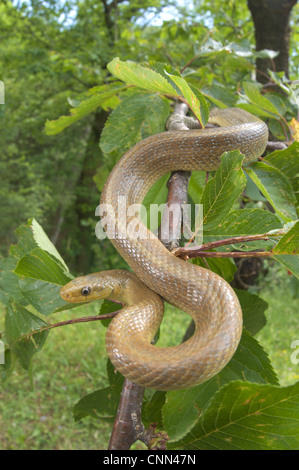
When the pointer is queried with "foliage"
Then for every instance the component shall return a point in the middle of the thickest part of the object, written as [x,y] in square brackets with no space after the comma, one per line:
[36,271]
[203,69]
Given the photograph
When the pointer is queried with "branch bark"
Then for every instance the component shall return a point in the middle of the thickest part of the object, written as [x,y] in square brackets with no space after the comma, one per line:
[128,426]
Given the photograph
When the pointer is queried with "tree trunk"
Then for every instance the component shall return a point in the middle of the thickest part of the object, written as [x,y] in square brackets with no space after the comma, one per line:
[272,31]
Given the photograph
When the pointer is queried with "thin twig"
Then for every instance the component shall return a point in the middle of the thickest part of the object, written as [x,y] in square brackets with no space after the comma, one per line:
[87,319]
[187,250]
[222,254]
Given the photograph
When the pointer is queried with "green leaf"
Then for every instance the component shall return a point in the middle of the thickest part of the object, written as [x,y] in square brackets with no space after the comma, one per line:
[196,185]
[247,416]
[34,272]
[104,402]
[262,104]
[83,109]
[109,307]
[38,264]
[152,411]
[225,267]
[19,322]
[42,278]
[222,191]
[182,408]
[287,161]
[33,236]
[101,403]
[242,222]
[116,380]
[26,241]
[140,76]
[194,98]
[253,308]
[9,282]
[291,262]
[147,78]
[42,241]
[289,243]
[137,117]
[276,188]
[219,95]
[43,296]
[166,71]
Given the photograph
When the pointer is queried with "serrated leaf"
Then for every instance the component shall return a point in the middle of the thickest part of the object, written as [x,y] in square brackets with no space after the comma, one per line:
[101,403]
[116,380]
[104,402]
[253,308]
[43,296]
[136,118]
[224,267]
[255,110]
[242,222]
[33,236]
[166,71]
[140,76]
[38,264]
[289,243]
[147,78]
[291,262]
[42,241]
[83,109]
[247,416]
[153,409]
[219,95]
[19,322]
[194,98]
[287,161]
[42,277]
[109,307]
[9,282]
[276,188]
[256,98]
[182,408]
[222,191]
[196,185]
[26,242]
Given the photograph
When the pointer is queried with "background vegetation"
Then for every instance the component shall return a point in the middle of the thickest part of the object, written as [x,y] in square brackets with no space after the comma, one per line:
[54,56]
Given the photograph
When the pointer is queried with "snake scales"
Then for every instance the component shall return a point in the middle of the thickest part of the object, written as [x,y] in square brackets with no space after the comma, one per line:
[204,295]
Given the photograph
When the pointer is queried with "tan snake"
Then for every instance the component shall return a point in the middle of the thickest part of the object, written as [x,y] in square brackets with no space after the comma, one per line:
[204,295]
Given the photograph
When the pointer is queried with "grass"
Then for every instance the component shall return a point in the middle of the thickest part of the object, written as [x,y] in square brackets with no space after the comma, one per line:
[38,415]
[281,293]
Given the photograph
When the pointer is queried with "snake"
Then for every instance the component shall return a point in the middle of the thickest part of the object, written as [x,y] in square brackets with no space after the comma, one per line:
[157,274]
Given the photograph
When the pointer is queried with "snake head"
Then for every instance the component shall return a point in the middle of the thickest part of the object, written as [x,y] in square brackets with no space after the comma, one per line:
[85,289]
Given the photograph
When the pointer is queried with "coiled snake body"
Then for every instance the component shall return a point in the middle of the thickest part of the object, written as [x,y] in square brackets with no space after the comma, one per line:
[204,295]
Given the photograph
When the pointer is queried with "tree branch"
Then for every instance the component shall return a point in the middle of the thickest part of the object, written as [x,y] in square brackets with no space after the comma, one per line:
[127,426]
[187,252]
[222,254]
[68,322]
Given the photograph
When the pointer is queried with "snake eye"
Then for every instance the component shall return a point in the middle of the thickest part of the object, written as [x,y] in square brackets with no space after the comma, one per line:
[86,291]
